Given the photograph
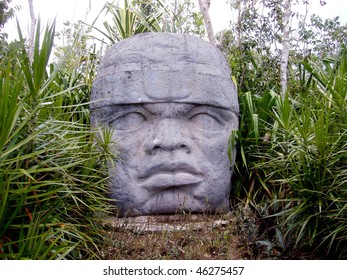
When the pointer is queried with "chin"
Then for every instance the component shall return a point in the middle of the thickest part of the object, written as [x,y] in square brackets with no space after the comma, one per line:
[169,206]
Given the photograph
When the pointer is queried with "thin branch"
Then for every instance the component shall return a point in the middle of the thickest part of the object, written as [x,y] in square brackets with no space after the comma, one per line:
[204,6]
[285,45]
[32,31]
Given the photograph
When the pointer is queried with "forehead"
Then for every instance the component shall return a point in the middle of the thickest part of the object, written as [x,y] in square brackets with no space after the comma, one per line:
[161,67]
[184,85]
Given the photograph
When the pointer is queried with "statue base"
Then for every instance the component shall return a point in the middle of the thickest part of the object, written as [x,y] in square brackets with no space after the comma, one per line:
[177,222]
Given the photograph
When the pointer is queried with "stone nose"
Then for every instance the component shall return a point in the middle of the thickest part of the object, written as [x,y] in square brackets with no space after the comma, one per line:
[168,135]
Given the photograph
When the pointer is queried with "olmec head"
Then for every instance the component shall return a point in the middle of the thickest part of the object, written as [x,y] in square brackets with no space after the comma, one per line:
[172,105]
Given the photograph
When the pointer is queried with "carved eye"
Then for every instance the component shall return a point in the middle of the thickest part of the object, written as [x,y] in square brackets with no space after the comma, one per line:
[207,122]
[129,121]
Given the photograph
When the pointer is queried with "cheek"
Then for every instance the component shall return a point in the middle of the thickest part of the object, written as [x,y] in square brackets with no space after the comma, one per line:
[127,142]
[129,146]
[213,148]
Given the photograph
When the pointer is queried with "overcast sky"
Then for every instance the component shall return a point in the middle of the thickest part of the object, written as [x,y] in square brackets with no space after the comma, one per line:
[74,10]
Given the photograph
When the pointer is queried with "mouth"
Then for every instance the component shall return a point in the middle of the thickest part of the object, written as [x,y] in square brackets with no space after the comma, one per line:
[170,177]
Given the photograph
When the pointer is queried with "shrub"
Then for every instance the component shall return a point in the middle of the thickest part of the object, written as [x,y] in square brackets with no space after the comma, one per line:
[293,158]
[52,173]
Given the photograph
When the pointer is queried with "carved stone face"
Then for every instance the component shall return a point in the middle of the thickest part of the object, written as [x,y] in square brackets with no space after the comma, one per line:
[171,110]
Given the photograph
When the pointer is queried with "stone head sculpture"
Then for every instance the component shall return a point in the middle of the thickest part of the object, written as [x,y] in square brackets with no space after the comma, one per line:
[171,105]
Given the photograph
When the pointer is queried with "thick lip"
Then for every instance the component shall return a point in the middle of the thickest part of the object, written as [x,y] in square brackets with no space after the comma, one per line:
[173,175]
[169,167]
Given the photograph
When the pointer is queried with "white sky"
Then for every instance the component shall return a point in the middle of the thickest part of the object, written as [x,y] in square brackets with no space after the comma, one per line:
[74,10]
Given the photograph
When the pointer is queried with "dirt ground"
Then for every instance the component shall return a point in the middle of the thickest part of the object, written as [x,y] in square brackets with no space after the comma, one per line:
[177,237]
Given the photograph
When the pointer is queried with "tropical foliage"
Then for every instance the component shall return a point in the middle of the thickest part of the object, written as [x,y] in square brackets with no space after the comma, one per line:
[149,16]
[291,160]
[52,174]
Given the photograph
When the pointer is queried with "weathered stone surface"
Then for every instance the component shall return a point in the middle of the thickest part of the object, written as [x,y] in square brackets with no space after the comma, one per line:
[172,105]
[164,67]
[141,224]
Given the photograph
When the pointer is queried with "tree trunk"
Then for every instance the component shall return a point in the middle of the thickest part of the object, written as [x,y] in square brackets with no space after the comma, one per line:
[285,45]
[204,6]
[174,17]
[32,31]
